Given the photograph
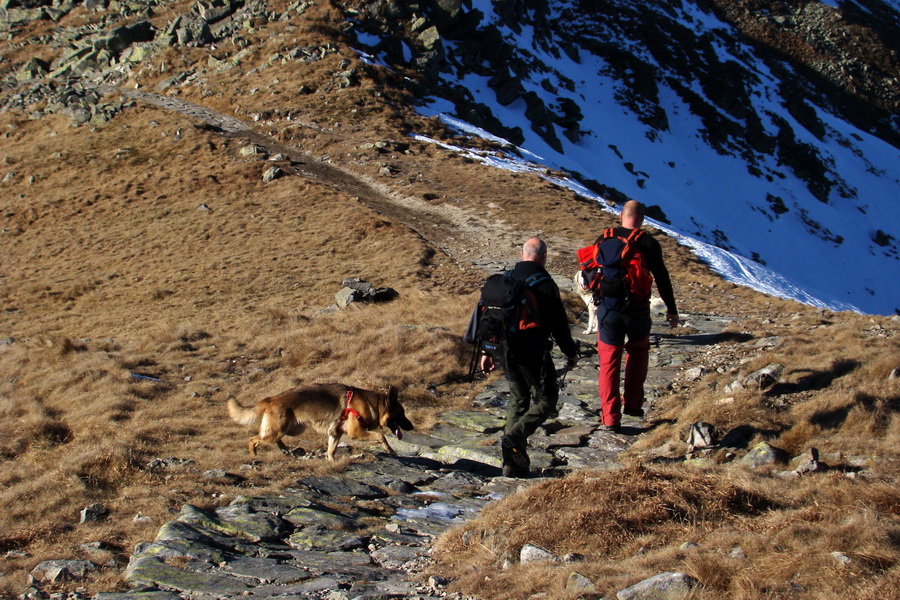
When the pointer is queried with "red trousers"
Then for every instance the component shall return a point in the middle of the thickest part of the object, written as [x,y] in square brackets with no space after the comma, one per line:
[638,353]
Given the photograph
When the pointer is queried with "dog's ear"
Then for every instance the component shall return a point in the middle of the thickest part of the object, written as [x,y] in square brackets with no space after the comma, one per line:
[393,394]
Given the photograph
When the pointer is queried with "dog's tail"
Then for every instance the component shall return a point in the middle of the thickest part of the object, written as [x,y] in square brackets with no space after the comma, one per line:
[244,416]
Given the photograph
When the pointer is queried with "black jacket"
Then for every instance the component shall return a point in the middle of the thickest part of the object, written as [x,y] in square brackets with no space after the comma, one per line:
[554,321]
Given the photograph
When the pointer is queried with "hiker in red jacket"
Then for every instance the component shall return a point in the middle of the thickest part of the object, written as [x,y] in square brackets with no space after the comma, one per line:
[633,323]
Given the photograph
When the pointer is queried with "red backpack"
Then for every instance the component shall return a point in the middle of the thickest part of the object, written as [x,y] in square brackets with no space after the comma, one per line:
[615,271]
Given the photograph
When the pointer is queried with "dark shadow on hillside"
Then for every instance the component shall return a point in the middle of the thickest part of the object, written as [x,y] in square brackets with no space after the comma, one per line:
[880,410]
[700,339]
[814,380]
[464,465]
[742,436]
[861,107]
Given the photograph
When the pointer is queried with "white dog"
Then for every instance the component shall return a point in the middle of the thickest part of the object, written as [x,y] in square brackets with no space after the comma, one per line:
[588,298]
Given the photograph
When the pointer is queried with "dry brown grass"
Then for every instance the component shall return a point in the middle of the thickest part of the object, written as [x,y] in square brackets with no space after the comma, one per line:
[632,524]
[148,246]
[127,277]
[835,394]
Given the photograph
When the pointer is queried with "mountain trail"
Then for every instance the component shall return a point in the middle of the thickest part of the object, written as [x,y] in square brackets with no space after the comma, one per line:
[316,539]
[459,233]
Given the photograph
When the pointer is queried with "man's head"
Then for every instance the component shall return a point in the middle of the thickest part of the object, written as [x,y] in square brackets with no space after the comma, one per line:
[632,214]
[535,250]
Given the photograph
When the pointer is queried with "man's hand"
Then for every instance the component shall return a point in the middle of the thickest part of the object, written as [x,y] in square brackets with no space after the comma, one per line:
[487,363]
[672,319]
[572,361]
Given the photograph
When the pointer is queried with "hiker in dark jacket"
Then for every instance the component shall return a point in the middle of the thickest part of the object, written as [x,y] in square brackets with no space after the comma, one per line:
[633,323]
[528,367]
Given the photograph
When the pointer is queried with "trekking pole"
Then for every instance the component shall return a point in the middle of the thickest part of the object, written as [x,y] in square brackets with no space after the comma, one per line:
[473,364]
[561,382]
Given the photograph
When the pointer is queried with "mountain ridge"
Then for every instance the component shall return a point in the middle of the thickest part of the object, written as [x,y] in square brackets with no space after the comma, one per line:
[769,83]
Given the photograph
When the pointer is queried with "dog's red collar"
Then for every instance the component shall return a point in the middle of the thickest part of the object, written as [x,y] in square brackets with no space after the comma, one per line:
[349,411]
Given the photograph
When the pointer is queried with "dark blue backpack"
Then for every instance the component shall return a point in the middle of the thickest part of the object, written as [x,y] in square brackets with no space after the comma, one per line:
[615,271]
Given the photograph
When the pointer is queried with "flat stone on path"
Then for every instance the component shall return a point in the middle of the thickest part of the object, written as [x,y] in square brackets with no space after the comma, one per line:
[341,487]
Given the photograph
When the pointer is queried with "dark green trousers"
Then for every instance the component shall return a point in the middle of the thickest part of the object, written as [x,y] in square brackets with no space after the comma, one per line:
[533,391]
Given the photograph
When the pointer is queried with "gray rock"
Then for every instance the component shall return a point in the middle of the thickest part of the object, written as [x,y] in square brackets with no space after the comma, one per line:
[841,559]
[194,550]
[694,373]
[34,68]
[265,570]
[531,553]
[734,386]
[665,586]
[764,454]
[580,583]
[581,458]
[396,557]
[326,540]
[138,595]
[765,377]
[479,422]
[243,521]
[271,174]
[768,342]
[153,571]
[430,39]
[56,571]
[346,296]
[94,512]
[701,435]
[320,516]
[808,462]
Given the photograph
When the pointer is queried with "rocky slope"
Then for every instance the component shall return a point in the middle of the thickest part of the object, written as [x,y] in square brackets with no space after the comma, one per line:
[186,184]
[725,116]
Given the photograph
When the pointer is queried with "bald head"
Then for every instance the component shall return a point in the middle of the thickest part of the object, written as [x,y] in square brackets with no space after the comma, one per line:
[632,214]
[535,249]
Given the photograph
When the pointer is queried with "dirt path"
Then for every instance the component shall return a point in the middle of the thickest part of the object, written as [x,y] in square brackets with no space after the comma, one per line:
[461,234]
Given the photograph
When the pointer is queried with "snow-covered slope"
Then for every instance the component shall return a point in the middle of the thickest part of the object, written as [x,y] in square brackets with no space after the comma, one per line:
[667,103]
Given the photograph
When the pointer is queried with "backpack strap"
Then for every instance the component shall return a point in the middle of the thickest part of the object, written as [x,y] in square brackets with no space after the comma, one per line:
[607,233]
[631,243]
[536,279]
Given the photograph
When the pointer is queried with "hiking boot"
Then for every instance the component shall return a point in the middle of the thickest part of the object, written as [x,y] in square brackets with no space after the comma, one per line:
[514,454]
[611,428]
[634,412]
[512,472]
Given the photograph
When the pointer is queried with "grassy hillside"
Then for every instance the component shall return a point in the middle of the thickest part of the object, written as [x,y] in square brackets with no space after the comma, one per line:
[148,274]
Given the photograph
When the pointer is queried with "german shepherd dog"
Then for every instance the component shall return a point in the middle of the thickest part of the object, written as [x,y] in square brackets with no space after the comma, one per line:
[332,409]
